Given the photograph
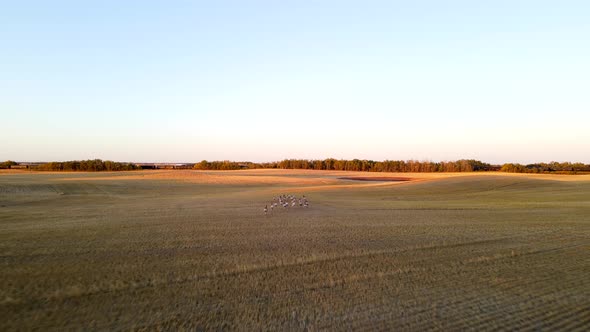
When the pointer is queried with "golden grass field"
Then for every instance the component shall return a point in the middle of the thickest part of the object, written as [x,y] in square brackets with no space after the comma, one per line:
[193,250]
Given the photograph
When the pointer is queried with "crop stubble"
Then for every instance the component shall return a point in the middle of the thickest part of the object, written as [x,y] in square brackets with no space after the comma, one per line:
[145,250]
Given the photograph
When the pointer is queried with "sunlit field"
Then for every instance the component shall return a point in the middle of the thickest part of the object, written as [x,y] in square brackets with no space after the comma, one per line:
[195,250]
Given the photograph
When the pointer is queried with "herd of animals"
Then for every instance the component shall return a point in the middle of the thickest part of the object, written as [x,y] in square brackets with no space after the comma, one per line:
[286,201]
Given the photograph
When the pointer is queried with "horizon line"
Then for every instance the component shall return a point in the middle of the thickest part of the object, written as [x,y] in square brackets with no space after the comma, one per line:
[277,161]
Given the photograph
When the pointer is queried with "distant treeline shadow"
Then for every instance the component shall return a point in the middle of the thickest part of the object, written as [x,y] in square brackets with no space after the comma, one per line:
[376,178]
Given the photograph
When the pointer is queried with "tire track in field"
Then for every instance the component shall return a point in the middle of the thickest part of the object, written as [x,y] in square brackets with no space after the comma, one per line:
[477,299]
[302,263]
[354,296]
[63,294]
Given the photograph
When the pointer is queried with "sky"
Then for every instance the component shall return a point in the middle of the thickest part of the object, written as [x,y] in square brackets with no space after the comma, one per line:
[182,81]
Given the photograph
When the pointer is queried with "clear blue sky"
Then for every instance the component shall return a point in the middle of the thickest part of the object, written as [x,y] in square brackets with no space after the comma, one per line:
[265,80]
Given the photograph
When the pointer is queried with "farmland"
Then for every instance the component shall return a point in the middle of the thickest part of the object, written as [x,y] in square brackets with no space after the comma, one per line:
[193,250]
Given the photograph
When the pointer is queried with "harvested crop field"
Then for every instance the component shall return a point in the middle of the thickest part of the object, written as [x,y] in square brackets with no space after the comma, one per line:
[194,250]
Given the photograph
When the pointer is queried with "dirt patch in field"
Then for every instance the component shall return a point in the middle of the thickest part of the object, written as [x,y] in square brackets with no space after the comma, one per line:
[377,178]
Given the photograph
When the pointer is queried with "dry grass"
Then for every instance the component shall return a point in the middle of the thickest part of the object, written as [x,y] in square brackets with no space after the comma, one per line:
[192,250]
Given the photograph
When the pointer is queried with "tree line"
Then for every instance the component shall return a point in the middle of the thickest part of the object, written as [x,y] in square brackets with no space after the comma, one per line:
[552,167]
[227,165]
[94,165]
[464,165]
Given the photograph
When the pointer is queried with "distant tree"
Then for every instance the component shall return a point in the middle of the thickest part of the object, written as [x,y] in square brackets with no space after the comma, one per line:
[513,168]
[203,165]
[8,164]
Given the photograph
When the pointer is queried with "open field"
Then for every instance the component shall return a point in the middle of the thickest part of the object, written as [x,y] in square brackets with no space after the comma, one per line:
[193,249]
